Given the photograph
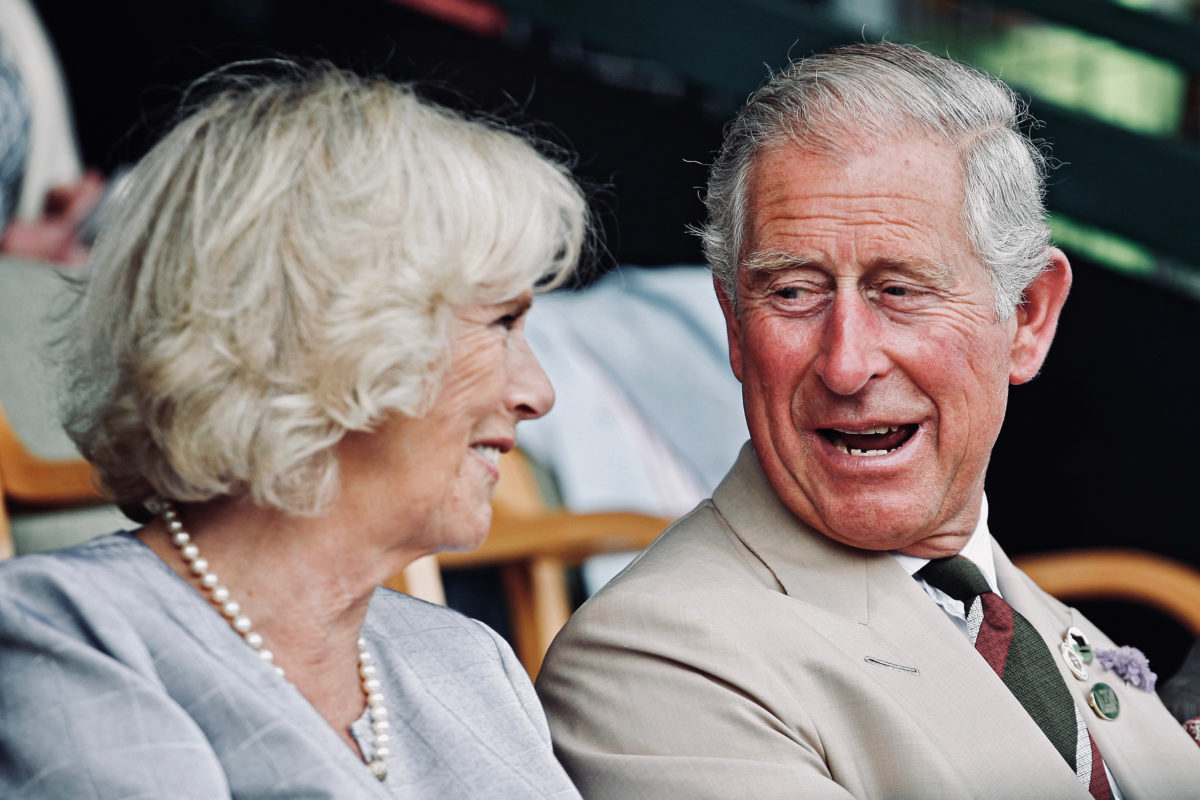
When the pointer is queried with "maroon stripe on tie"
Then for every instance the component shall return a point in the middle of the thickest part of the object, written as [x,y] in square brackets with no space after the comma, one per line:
[995,632]
[1099,784]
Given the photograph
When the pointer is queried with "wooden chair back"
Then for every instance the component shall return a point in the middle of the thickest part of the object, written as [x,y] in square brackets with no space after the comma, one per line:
[32,481]
[1119,574]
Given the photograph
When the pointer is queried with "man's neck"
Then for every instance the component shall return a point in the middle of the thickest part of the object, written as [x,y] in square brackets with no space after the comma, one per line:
[978,549]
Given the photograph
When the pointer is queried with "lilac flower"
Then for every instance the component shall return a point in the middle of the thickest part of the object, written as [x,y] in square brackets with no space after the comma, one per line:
[1131,664]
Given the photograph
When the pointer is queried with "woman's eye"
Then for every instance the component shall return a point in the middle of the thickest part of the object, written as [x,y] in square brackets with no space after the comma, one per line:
[508,321]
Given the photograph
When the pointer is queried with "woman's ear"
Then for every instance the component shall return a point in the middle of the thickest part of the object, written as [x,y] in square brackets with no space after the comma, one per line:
[1037,318]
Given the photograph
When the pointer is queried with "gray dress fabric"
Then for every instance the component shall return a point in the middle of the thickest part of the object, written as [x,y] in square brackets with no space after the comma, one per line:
[118,680]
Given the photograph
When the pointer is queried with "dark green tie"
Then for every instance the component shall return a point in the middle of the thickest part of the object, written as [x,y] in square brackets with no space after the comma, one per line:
[1016,652]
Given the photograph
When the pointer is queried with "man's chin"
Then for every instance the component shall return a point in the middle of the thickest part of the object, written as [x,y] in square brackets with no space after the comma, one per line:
[890,529]
[938,546]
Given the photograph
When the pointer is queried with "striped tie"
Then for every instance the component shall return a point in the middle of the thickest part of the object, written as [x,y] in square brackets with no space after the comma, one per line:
[1015,650]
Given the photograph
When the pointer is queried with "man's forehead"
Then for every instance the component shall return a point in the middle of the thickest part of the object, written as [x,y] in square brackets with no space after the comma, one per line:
[898,199]
[914,156]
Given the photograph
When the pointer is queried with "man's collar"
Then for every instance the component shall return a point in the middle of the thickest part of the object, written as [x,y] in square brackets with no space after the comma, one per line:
[978,550]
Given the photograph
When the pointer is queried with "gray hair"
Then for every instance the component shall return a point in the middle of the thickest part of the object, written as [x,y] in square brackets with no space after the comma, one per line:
[284,267]
[832,102]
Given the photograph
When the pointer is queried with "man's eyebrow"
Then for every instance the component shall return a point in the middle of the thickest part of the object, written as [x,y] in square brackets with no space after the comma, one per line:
[934,273]
[774,261]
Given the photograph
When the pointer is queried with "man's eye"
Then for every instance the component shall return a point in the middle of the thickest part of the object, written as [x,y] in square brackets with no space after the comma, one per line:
[904,296]
[904,291]
[790,292]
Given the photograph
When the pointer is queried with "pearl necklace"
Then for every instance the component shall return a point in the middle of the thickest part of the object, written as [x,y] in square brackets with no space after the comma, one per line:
[232,611]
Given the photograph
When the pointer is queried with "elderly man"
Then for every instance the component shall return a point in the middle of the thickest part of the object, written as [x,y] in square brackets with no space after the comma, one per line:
[837,621]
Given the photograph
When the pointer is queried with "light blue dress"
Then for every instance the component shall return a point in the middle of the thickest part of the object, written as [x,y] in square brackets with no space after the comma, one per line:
[118,680]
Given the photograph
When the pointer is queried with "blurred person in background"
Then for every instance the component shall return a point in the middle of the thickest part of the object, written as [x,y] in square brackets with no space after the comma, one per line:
[14,136]
[57,204]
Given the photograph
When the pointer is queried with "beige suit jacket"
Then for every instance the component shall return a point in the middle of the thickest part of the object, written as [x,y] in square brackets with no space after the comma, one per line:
[745,656]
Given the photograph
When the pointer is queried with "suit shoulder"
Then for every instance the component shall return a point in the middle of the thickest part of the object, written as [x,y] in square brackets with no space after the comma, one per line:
[698,552]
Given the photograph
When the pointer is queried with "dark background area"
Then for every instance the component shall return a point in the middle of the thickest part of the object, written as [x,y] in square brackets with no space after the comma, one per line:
[1096,451]
[641,151]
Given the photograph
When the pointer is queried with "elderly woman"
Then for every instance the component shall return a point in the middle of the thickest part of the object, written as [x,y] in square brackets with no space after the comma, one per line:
[302,351]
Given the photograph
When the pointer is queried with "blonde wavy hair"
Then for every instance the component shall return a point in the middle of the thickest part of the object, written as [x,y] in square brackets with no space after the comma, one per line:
[284,266]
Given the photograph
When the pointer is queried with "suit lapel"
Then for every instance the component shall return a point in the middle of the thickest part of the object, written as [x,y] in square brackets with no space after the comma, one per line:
[963,706]
[806,565]
[1143,738]
[900,639]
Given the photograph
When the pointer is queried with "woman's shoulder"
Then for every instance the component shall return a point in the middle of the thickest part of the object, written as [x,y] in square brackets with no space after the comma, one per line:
[432,638]
[86,591]
[73,569]
[395,614]
[461,680]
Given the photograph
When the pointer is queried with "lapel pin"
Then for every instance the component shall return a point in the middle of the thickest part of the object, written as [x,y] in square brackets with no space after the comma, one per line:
[1103,701]
[1080,642]
[1074,660]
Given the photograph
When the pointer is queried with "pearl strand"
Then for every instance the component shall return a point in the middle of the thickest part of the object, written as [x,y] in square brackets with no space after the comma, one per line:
[232,611]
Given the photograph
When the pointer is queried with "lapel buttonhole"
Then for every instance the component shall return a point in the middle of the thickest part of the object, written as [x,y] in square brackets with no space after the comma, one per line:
[879,662]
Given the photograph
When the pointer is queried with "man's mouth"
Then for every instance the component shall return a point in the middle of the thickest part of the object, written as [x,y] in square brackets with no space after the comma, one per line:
[877,441]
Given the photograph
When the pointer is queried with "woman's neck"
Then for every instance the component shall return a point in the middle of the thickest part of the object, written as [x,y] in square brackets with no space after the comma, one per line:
[304,583]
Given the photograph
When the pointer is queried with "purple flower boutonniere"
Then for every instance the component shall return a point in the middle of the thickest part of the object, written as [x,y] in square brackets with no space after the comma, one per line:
[1131,664]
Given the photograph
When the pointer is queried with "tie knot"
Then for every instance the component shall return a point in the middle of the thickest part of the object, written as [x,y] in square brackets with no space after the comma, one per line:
[956,576]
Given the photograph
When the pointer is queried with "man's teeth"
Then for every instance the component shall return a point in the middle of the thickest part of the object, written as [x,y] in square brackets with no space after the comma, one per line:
[842,447]
[877,429]
[492,454]
[854,451]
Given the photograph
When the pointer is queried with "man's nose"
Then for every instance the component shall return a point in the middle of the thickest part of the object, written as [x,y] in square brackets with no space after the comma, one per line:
[530,394]
[850,349]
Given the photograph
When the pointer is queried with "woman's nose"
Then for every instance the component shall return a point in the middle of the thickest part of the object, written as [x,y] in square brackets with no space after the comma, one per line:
[530,394]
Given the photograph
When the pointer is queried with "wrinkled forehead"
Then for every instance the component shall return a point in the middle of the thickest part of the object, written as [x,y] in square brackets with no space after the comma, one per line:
[896,205]
[928,169]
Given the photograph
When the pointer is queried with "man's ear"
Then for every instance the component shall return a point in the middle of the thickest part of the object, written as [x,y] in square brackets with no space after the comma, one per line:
[1037,318]
[733,328]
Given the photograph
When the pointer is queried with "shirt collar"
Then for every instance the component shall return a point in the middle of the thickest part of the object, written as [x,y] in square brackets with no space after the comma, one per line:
[978,550]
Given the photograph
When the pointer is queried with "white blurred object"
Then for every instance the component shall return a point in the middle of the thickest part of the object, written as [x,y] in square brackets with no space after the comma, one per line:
[54,152]
[648,415]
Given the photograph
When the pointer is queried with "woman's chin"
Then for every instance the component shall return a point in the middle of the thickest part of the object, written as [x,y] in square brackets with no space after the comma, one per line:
[468,536]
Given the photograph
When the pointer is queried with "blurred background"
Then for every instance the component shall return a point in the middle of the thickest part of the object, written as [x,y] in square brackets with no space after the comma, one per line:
[640,92]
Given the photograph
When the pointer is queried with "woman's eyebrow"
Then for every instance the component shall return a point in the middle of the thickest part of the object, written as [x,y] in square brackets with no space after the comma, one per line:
[522,304]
